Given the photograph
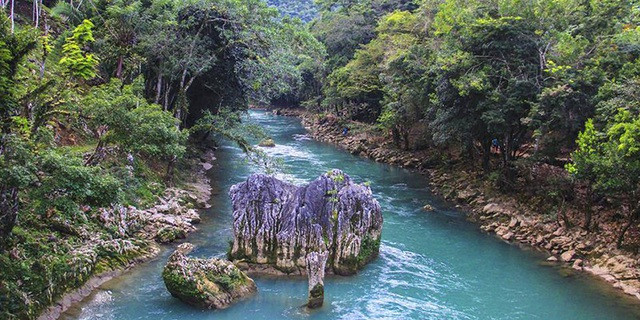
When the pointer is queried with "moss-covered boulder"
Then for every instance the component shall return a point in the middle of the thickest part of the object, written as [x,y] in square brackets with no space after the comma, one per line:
[267,143]
[205,283]
[170,234]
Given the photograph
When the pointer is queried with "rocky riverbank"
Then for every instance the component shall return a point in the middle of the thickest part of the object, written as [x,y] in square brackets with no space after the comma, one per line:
[503,215]
[138,234]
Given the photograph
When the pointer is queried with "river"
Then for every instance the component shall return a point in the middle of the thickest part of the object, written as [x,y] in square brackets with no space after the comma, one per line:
[432,265]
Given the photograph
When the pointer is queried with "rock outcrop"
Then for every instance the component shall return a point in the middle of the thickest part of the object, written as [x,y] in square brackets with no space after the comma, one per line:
[205,283]
[277,224]
[171,219]
[316,263]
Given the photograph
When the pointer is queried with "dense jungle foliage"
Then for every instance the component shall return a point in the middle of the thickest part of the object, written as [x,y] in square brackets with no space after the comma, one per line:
[501,84]
[304,9]
[129,78]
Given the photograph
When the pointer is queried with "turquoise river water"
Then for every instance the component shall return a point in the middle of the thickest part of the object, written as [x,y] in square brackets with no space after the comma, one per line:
[432,265]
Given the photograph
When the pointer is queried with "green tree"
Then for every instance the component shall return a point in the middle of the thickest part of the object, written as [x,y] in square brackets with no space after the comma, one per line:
[120,115]
[66,183]
[610,159]
[15,155]
[490,76]
[121,30]
[78,62]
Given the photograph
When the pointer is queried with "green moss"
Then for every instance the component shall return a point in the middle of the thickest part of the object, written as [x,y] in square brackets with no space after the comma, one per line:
[229,251]
[369,249]
[325,239]
[170,234]
[180,286]
[229,282]
[317,291]
[80,149]
[194,281]
[43,265]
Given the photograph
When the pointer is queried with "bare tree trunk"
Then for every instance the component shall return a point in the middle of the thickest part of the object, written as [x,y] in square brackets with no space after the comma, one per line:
[37,11]
[178,115]
[504,150]
[623,231]
[183,79]
[395,135]
[486,154]
[588,214]
[12,16]
[562,214]
[166,97]
[633,216]
[405,137]
[119,69]
[44,53]
[181,91]
[158,88]
[170,168]
[96,155]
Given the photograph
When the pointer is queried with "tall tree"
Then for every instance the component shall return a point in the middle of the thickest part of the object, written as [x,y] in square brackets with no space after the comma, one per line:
[14,156]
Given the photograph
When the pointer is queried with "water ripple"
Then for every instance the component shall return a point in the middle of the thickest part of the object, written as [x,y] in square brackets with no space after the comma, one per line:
[302,137]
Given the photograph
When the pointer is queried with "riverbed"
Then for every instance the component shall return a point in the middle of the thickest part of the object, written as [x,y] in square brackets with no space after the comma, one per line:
[432,265]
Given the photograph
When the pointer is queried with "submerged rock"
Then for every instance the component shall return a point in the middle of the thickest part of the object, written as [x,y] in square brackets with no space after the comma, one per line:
[267,143]
[205,283]
[278,224]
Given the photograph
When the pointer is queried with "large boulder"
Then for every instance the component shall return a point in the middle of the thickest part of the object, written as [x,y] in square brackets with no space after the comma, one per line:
[277,224]
[205,283]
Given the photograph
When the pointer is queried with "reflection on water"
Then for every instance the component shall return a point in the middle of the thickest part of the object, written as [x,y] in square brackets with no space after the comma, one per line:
[432,265]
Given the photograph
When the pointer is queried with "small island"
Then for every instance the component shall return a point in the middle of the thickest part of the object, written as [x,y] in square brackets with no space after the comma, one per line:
[279,227]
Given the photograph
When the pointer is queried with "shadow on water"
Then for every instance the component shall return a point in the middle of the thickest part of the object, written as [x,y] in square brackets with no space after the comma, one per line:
[432,265]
